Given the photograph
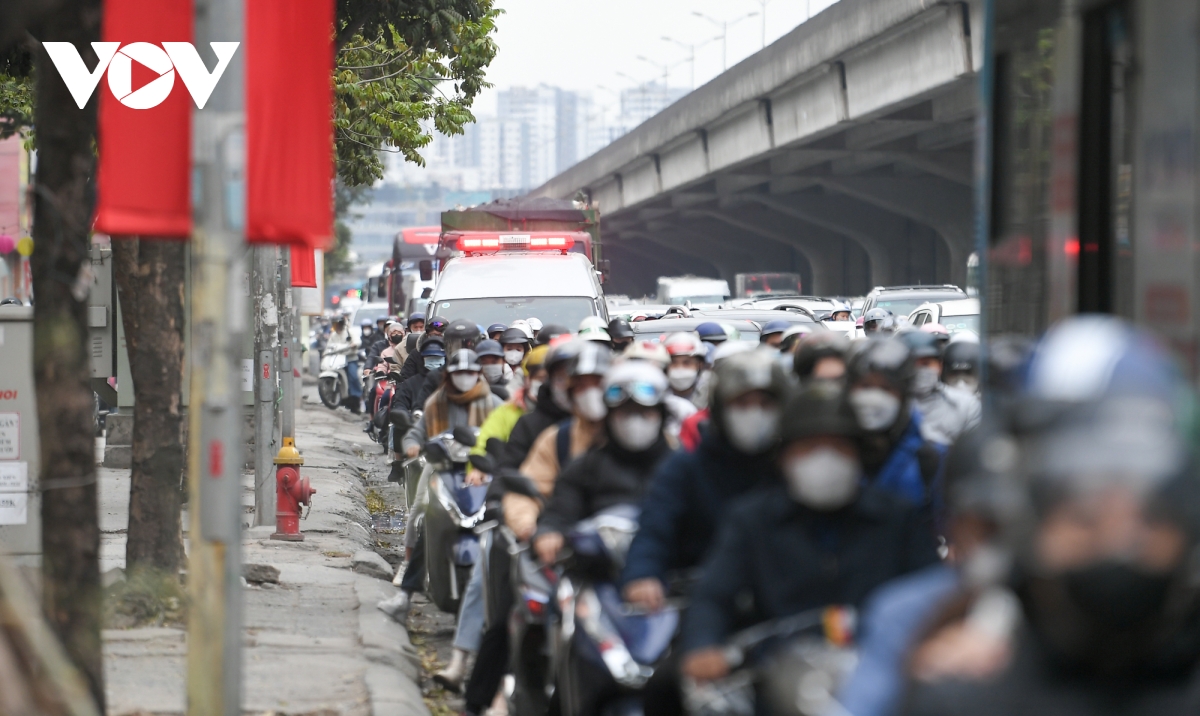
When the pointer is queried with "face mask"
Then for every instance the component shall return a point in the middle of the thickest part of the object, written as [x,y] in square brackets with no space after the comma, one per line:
[589,404]
[874,408]
[514,358]
[434,362]
[464,381]
[535,387]
[493,373]
[971,385]
[924,381]
[395,339]
[636,432]
[1117,595]
[562,398]
[752,430]
[682,379]
[824,479]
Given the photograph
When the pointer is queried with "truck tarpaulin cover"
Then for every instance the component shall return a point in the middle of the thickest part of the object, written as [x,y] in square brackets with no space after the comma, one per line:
[289,122]
[145,154]
[536,209]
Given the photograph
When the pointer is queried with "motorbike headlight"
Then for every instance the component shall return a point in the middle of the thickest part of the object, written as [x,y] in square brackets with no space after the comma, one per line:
[448,503]
[616,541]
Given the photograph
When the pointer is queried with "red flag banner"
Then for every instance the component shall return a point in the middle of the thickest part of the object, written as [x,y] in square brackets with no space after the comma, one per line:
[143,179]
[289,122]
[304,267]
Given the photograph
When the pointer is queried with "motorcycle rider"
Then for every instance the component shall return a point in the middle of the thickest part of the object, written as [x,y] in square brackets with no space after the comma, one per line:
[516,345]
[711,332]
[495,330]
[841,312]
[433,327]
[618,471]
[772,333]
[414,391]
[621,334]
[946,413]
[821,357]
[893,451]
[498,375]
[1104,607]
[558,444]
[878,322]
[687,365]
[342,339]
[415,326]
[960,366]
[593,328]
[817,539]
[463,399]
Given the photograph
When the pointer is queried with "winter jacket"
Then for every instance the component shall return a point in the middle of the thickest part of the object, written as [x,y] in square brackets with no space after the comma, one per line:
[412,393]
[413,364]
[789,559]
[457,415]
[542,466]
[947,413]
[530,426]
[903,462]
[603,477]
[501,422]
[688,498]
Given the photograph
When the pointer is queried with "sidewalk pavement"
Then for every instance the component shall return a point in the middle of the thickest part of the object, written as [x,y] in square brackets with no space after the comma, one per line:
[314,643]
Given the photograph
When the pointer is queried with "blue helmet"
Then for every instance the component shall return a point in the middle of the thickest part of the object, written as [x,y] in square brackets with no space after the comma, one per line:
[774,327]
[414,317]
[711,332]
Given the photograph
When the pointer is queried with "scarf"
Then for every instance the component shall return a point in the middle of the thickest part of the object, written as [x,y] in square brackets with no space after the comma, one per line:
[437,408]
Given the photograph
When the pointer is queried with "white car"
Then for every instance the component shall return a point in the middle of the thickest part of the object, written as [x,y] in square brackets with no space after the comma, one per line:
[956,316]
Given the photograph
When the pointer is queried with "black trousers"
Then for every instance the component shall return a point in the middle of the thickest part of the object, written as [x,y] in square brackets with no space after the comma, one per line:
[491,664]
[414,574]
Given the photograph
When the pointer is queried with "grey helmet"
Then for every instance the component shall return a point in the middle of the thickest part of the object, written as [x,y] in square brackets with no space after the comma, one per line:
[463,359]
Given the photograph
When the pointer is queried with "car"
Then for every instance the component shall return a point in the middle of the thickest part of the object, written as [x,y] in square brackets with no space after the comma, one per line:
[761,317]
[492,285]
[903,300]
[956,316]
[367,312]
[814,304]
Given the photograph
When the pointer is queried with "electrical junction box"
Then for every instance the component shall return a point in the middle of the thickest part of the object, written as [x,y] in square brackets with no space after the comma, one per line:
[20,496]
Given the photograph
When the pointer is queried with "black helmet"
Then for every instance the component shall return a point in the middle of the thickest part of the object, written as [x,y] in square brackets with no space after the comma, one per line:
[921,344]
[514,336]
[592,358]
[462,359]
[461,334]
[814,347]
[489,348]
[618,328]
[888,357]
[961,357]
[817,410]
[879,319]
[561,354]
[431,345]
[549,332]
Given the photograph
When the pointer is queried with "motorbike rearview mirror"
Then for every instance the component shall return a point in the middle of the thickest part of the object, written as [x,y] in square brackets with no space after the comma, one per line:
[464,435]
[426,269]
[484,463]
[401,419]
[520,485]
[434,452]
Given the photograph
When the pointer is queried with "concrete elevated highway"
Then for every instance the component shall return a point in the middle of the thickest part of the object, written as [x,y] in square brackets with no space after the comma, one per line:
[843,151]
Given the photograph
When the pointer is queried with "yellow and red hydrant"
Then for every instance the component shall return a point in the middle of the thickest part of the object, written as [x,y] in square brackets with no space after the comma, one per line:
[291,491]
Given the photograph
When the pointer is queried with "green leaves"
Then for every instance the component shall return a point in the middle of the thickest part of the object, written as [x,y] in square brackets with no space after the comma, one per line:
[403,70]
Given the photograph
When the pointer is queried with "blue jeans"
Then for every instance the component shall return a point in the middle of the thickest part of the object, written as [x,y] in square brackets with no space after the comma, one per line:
[469,631]
[355,387]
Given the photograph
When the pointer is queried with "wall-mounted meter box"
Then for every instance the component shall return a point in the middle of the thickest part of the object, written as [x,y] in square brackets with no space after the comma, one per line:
[20,497]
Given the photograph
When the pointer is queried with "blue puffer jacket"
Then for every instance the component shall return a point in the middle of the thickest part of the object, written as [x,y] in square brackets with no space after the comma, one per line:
[686,502]
[911,466]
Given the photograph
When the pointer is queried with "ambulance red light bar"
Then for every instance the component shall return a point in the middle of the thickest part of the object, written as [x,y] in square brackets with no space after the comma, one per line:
[510,242]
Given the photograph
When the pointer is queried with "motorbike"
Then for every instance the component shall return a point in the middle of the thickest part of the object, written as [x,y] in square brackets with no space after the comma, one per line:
[454,509]
[795,664]
[333,384]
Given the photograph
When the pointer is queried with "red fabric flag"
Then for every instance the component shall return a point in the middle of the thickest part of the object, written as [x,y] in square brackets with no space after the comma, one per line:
[143,179]
[289,122]
[304,267]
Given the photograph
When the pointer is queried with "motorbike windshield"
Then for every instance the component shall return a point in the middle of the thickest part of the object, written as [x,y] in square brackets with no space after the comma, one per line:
[559,310]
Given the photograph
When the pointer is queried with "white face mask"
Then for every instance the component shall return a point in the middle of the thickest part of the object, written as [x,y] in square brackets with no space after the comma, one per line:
[535,387]
[589,404]
[967,383]
[493,373]
[824,479]
[682,378]
[514,358]
[464,381]
[924,381]
[752,430]
[875,408]
[562,398]
[635,432]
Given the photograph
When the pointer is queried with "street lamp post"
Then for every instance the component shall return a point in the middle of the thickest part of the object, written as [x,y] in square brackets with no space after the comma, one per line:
[764,3]
[691,48]
[724,25]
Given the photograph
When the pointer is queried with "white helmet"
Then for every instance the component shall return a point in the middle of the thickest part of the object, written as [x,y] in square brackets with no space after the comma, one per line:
[648,352]
[593,328]
[684,344]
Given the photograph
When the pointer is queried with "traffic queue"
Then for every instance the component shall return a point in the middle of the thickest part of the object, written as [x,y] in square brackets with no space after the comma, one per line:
[817,525]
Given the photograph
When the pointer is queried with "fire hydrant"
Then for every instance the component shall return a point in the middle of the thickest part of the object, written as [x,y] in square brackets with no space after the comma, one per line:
[291,491]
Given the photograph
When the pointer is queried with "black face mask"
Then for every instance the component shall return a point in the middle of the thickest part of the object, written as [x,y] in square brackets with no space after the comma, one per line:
[395,340]
[1117,595]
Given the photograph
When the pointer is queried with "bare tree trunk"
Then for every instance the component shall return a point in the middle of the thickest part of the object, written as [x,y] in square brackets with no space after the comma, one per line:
[62,215]
[150,279]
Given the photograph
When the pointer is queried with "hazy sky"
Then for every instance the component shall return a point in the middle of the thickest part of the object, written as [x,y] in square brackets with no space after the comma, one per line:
[587,44]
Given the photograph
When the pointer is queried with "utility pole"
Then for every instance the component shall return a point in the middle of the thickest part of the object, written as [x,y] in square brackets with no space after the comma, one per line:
[289,354]
[219,313]
[264,293]
[724,25]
